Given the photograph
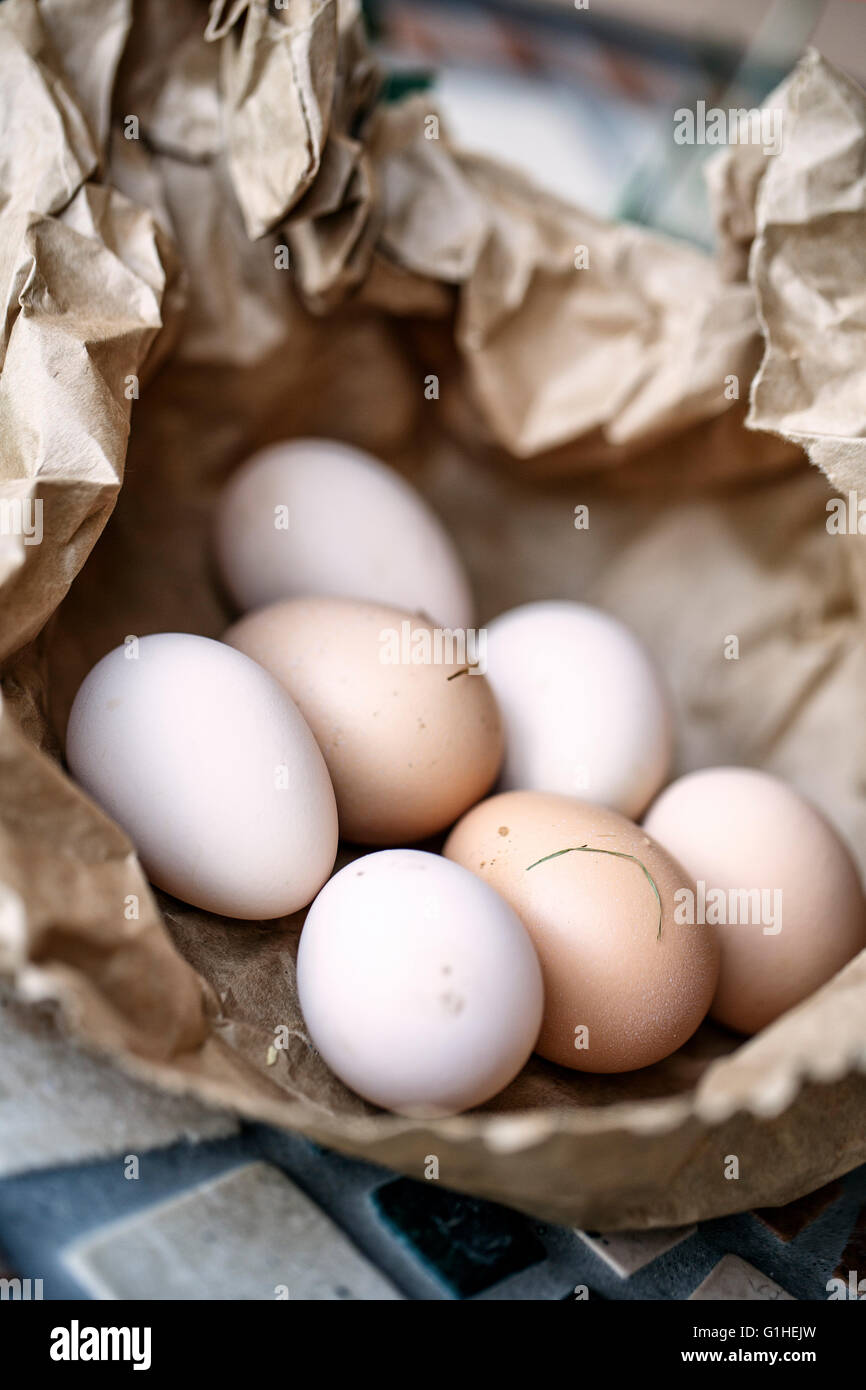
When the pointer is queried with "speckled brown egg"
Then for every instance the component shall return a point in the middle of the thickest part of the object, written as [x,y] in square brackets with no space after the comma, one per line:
[625,984]
[409,729]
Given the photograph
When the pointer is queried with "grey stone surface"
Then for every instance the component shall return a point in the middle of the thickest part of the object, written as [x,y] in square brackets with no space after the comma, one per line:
[58,1105]
[733,1278]
[249,1235]
[628,1251]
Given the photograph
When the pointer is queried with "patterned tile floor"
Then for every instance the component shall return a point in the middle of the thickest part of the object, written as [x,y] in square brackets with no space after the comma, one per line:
[265,1215]
[108,1190]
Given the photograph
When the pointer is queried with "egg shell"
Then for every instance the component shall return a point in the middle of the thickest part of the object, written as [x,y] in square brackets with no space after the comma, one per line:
[594,920]
[584,708]
[738,829]
[316,517]
[409,745]
[204,760]
[418,984]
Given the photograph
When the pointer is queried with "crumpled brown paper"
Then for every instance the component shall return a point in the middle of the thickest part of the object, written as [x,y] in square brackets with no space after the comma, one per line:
[131,284]
[802,221]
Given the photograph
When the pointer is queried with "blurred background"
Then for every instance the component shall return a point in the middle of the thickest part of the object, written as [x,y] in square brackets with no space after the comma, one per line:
[582,98]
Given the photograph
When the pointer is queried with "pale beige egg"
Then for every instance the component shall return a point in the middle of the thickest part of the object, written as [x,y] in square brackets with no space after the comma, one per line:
[407,725]
[317,517]
[775,877]
[625,984]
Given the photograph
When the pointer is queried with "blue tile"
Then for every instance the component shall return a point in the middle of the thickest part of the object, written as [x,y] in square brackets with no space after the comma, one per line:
[446,1245]
[469,1244]
[41,1212]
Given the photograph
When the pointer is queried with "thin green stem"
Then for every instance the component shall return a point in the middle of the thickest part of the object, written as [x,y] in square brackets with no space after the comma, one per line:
[618,854]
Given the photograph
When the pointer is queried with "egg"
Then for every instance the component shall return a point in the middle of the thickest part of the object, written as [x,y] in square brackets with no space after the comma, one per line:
[418,984]
[585,711]
[774,876]
[625,984]
[315,517]
[204,760]
[408,727]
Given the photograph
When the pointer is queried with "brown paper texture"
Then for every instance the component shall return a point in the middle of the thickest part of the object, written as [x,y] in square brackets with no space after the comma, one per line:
[801,222]
[141,283]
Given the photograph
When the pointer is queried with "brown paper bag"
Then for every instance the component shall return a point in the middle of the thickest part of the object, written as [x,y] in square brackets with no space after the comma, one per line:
[149,201]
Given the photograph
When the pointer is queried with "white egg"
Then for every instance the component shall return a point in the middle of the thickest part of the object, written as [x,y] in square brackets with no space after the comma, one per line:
[313,517]
[418,983]
[585,711]
[208,765]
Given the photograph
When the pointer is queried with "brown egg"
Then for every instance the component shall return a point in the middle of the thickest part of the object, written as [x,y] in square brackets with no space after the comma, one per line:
[410,731]
[625,984]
